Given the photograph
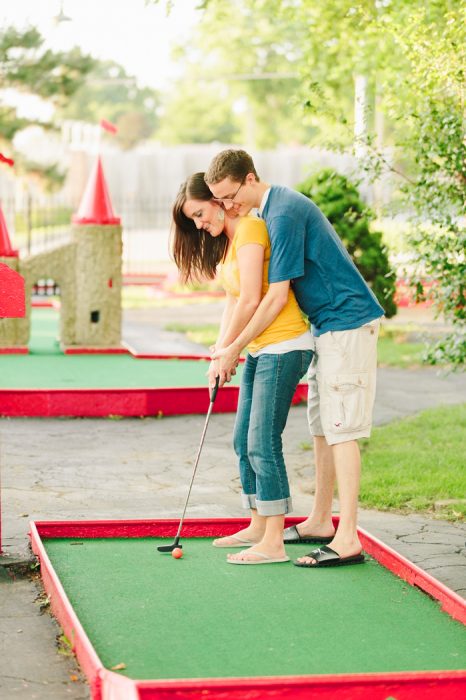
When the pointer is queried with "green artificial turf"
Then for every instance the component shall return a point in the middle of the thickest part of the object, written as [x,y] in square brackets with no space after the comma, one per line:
[200,617]
[100,371]
[44,332]
[48,368]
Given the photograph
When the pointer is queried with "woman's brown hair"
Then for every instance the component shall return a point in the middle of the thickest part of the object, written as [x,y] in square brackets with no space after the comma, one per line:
[194,251]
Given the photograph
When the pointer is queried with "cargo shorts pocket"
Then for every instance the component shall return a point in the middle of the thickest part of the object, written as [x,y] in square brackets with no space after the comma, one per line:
[348,406]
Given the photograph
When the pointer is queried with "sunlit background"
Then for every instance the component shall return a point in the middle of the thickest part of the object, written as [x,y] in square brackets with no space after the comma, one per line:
[358,94]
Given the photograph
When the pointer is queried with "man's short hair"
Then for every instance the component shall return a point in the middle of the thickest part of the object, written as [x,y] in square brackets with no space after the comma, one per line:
[232,163]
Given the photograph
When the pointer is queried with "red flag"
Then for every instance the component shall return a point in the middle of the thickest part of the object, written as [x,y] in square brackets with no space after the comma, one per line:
[108,126]
[6,160]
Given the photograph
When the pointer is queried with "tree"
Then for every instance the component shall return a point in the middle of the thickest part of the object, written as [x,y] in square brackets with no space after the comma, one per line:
[433,102]
[133,127]
[412,55]
[339,200]
[269,52]
[110,93]
[240,55]
[26,65]
[195,114]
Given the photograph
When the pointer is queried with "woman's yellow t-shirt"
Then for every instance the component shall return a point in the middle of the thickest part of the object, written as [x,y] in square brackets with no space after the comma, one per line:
[289,322]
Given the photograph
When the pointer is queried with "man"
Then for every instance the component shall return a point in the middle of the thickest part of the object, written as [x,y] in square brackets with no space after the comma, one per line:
[345,317]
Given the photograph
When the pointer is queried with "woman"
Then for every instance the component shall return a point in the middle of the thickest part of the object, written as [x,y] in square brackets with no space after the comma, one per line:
[202,238]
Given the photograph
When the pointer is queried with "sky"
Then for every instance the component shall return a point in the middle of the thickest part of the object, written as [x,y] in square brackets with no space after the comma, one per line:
[136,35]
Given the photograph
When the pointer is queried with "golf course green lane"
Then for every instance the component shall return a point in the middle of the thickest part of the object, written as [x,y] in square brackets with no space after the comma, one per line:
[101,372]
[199,617]
[46,367]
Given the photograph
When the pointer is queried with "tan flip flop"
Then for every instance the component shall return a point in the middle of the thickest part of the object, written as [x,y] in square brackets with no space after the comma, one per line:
[264,559]
[238,542]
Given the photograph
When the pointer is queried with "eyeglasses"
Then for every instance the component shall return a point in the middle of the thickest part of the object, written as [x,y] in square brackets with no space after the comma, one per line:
[230,199]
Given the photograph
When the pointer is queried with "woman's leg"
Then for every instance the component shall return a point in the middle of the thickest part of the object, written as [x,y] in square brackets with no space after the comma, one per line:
[275,382]
[255,530]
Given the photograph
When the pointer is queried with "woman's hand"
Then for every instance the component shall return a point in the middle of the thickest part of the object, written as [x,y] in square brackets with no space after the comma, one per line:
[212,374]
[226,361]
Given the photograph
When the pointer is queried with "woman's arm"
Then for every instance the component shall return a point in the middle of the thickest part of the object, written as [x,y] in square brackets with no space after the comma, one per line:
[227,313]
[228,310]
[250,258]
[268,310]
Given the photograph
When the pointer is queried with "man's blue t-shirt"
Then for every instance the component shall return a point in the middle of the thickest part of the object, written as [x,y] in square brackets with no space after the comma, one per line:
[307,250]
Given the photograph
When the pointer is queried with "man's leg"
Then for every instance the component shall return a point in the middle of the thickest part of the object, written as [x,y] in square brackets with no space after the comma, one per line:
[347,460]
[346,386]
[319,521]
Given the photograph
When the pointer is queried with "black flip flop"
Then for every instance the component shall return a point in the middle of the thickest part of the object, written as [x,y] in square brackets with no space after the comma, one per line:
[326,556]
[292,536]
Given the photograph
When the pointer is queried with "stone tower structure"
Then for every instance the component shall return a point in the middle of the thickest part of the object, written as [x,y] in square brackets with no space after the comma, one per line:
[97,237]
[87,270]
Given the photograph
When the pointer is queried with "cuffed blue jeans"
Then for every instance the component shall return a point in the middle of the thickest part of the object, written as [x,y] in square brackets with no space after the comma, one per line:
[267,386]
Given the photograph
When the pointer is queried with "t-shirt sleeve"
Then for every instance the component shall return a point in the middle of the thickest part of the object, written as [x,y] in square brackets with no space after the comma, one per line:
[287,255]
[251,231]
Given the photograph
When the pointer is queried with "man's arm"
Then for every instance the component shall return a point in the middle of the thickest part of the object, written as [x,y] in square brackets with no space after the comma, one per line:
[267,311]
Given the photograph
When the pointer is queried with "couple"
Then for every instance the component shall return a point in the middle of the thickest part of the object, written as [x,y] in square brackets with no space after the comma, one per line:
[289,256]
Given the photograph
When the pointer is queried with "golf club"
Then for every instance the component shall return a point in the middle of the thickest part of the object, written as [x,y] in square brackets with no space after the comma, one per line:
[171,547]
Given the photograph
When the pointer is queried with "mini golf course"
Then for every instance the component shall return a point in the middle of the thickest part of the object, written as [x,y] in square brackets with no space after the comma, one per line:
[197,626]
[47,382]
[145,626]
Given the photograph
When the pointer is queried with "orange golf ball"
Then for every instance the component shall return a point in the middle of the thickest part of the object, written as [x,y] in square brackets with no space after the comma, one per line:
[177,553]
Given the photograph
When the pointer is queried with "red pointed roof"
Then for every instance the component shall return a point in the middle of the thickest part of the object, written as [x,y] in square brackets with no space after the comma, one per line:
[6,251]
[96,207]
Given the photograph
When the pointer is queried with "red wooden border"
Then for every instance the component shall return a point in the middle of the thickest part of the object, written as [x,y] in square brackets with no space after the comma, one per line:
[63,611]
[451,602]
[439,685]
[163,356]
[46,304]
[166,356]
[429,685]
[93,350]
[14,350]
[170,401]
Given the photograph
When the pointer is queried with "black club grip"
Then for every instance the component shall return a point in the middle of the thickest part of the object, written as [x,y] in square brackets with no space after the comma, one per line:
[214,390]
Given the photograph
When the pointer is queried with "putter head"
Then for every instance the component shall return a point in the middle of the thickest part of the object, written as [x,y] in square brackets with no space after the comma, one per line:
[169,547]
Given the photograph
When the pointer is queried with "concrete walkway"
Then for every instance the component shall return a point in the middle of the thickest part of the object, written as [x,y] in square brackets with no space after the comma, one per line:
[99,468]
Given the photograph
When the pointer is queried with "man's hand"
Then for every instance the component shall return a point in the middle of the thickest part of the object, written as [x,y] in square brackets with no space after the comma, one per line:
[226,363]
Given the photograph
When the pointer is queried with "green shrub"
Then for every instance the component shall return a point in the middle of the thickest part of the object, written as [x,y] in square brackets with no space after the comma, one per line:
[339,200]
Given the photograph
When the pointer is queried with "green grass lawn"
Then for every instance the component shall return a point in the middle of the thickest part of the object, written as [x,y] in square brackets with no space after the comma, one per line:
[417,464]
[147,297]
[394,352]
[205,334]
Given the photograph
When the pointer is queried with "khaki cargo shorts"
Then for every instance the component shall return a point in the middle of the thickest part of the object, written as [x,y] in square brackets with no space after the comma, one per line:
[342,378]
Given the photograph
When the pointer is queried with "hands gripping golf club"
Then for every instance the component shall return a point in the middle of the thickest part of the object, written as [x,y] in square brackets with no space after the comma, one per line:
[171,547]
